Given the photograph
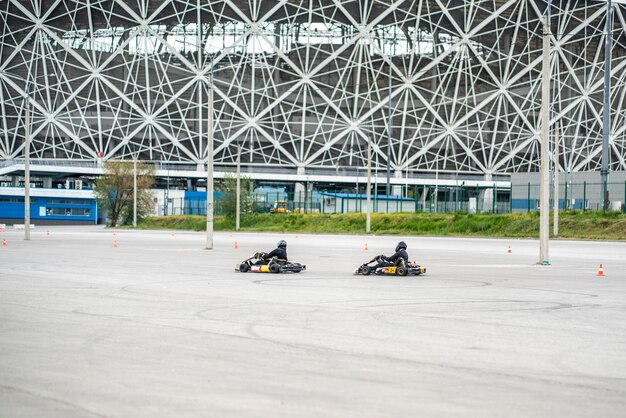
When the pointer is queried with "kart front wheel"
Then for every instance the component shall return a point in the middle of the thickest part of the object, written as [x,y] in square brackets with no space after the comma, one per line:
[244,267]
[365,270]
[295,268]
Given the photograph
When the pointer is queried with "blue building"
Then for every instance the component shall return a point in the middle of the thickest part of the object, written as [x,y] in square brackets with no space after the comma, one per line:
[48,206]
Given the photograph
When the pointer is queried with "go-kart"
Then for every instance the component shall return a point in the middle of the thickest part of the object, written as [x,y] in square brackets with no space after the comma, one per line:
[260,264]
[401,269]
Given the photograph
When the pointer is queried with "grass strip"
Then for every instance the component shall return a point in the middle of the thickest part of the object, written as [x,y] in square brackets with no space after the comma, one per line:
[574,225]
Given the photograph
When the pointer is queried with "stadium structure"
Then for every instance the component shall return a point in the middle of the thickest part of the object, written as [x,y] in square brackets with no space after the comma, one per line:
[304,90]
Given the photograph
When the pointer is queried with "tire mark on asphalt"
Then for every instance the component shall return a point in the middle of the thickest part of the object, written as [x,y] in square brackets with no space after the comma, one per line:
[457,368]
[565,292]
[554,305]
[286,282]
[54,400]
[560,357]
[278,282]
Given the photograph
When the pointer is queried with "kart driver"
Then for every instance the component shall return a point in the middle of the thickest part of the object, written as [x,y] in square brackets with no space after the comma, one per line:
[280,252]
[396,259]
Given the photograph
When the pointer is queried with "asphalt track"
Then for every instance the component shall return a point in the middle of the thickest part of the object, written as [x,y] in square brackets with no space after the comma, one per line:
[159,326]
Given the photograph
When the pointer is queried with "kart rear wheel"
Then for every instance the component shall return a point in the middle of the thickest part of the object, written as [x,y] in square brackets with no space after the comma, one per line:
[401,271]
[365,270]
[274,268]
[244,267]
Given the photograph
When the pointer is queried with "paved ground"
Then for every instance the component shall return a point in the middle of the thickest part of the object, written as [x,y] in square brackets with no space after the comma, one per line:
[161,327]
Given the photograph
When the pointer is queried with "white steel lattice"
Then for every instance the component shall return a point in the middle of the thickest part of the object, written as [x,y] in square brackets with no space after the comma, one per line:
[305,84]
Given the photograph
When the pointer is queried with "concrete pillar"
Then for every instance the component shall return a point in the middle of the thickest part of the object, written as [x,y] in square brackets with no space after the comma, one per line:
[300,191]
[425,192]
[47,182]
[486,197]
[396,189]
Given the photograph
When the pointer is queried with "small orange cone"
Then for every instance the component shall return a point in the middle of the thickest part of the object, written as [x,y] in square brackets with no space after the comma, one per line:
[236,246]
[4,243]
[600,271]
[115,244]
[509,250]
[366,247]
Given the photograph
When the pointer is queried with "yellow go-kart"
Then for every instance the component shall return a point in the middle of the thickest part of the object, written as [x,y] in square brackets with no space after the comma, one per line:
[259,264]
[401,269]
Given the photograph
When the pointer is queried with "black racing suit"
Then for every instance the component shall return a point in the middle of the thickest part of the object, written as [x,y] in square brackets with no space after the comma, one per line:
[393,260]
[279,253]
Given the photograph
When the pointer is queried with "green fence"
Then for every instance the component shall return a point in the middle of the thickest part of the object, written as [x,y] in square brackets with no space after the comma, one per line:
[517,198]
[571,196]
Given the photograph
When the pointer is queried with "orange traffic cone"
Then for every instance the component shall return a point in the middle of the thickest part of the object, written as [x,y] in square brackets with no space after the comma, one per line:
[115,244]
[4,243]
[600,271]
[509,250]
[365,247]
[236,246]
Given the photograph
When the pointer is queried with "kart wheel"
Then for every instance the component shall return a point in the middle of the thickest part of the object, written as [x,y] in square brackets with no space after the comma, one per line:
[274,268]
[296,268]
[365,270]
[244,267]
[401,271]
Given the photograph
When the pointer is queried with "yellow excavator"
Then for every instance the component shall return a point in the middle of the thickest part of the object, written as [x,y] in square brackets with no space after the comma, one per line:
[279,206]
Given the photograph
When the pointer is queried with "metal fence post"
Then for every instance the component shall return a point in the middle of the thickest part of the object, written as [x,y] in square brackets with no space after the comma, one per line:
[584,196]
[376,199]
[511,198]
[528,199]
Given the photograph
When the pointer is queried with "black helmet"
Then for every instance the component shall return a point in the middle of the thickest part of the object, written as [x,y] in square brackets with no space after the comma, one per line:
[282,244]
[401,244]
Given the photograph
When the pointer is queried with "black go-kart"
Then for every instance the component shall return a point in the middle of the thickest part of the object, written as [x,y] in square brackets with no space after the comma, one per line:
[260,264]
[401,269]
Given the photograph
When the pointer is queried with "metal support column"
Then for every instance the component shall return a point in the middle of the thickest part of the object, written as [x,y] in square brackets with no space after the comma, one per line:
[544,186]
[606,115]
